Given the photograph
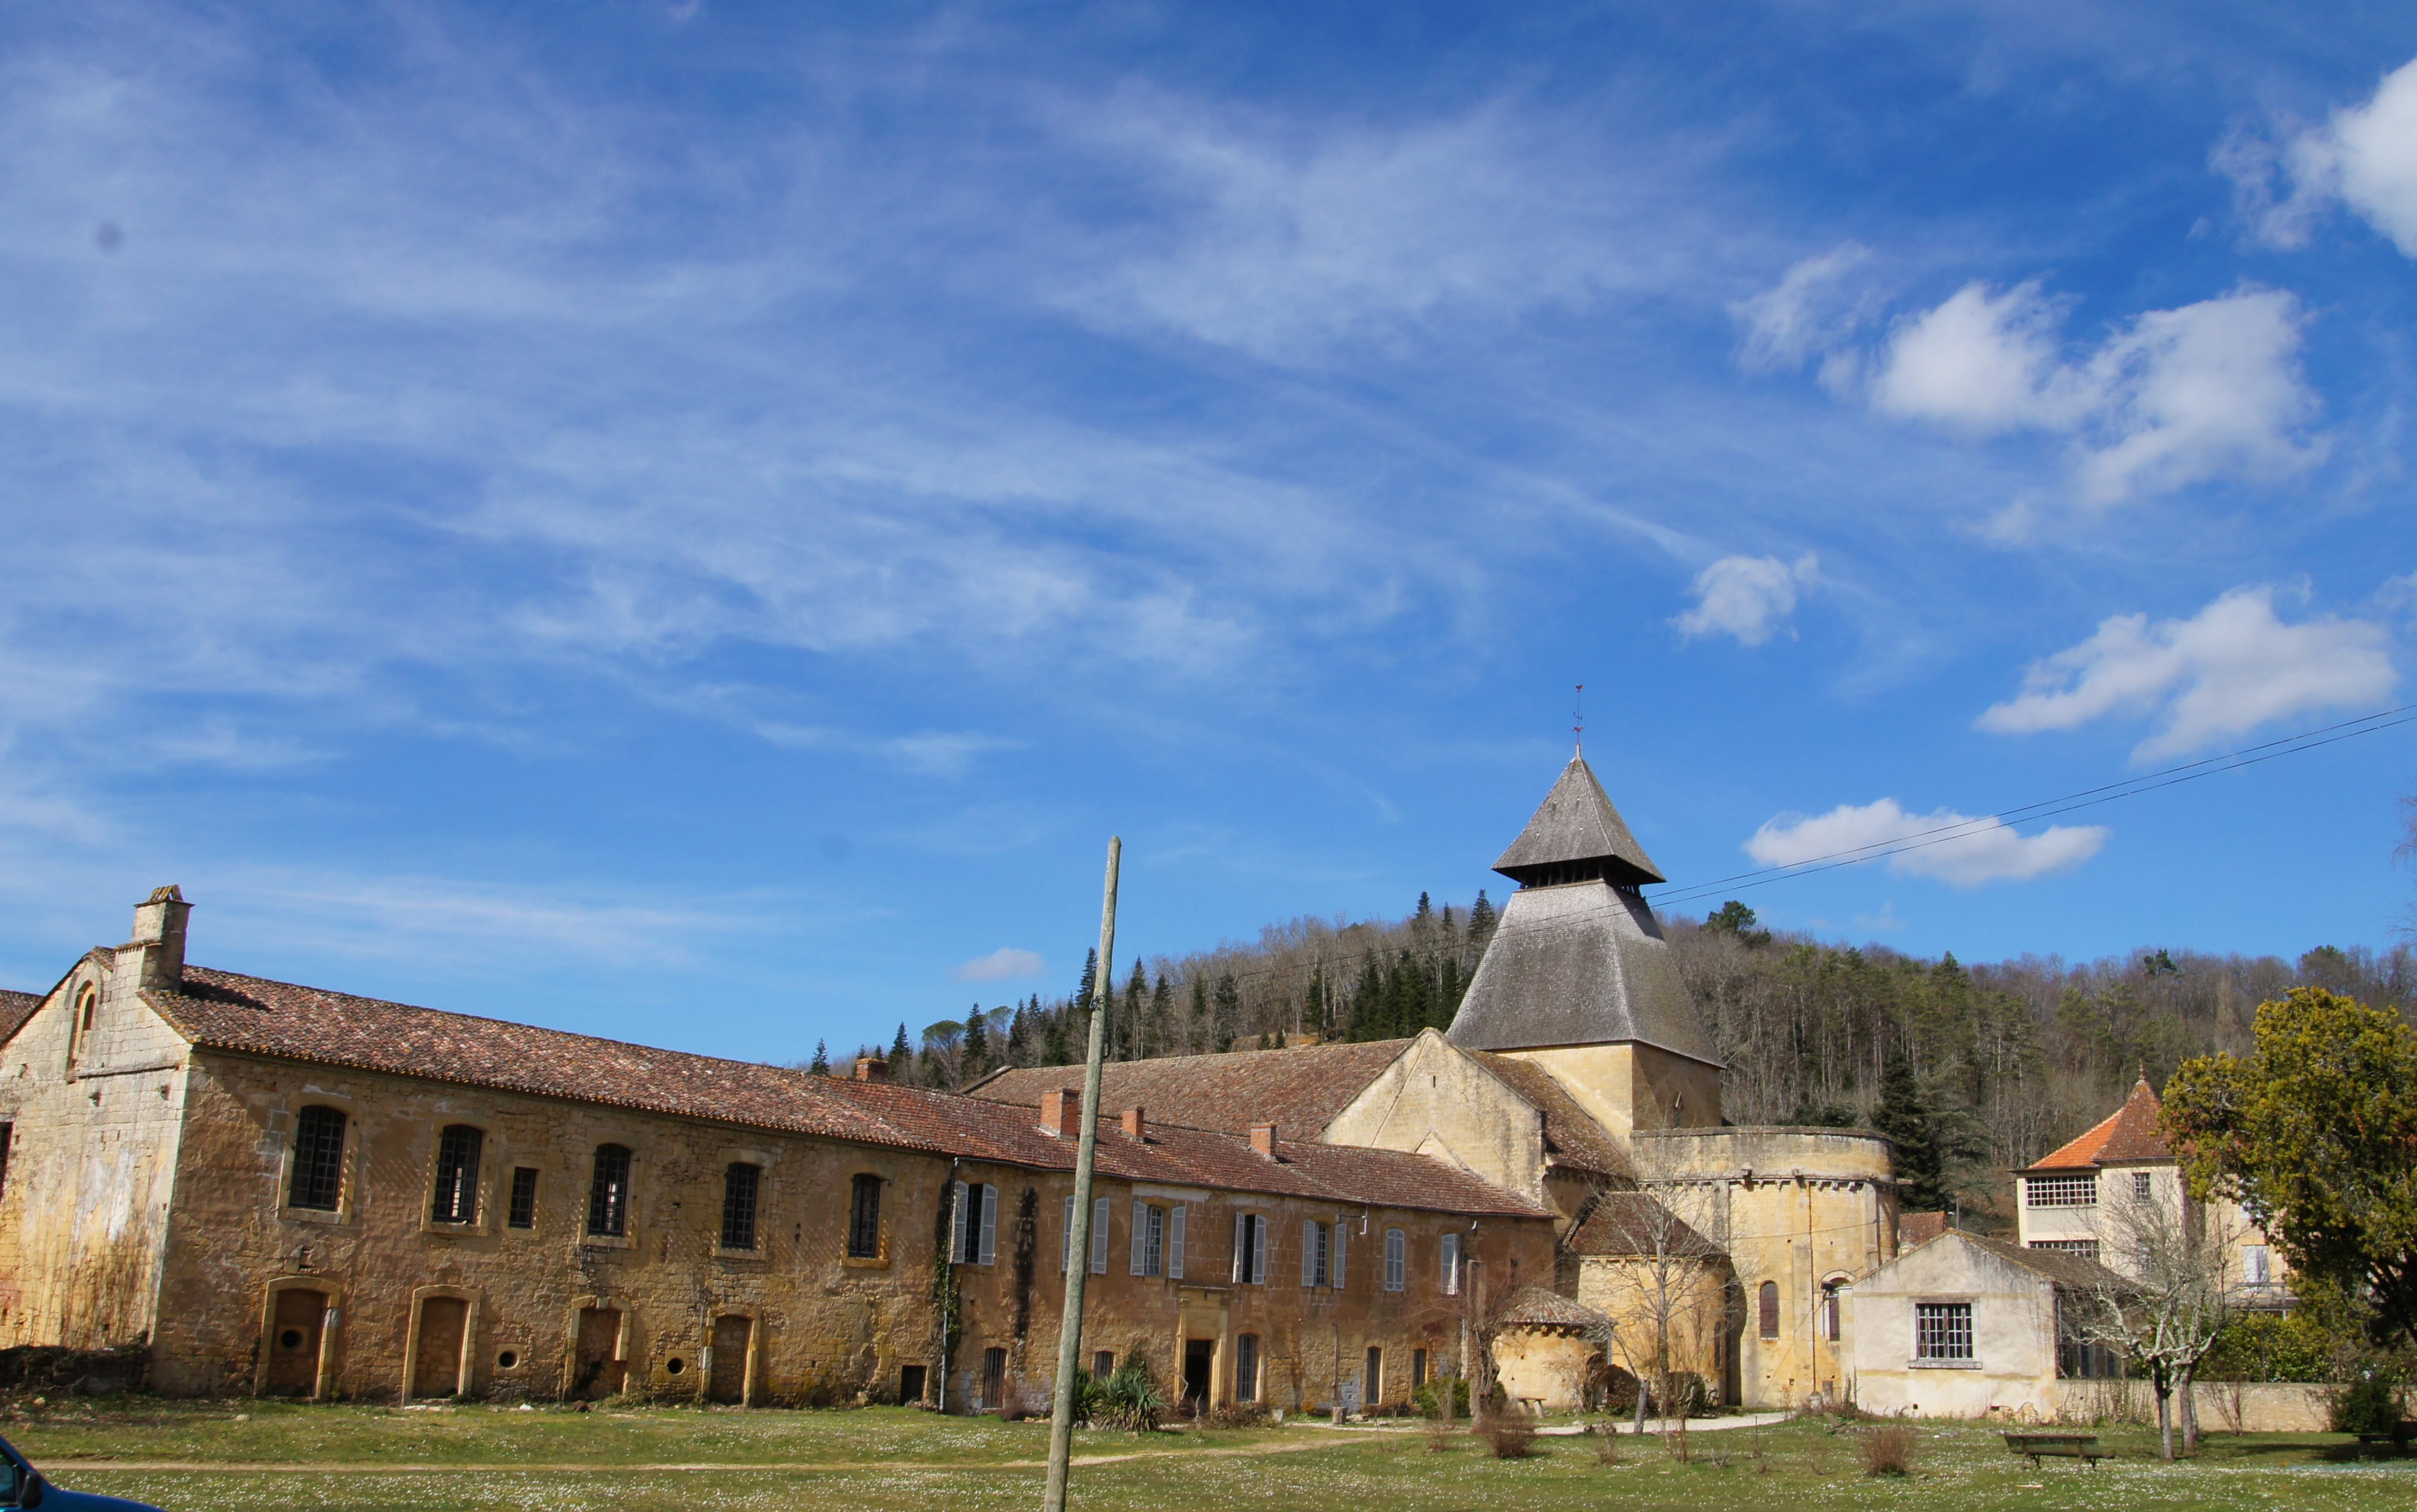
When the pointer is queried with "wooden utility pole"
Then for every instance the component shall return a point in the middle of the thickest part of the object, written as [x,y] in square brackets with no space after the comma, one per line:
[1078,1242]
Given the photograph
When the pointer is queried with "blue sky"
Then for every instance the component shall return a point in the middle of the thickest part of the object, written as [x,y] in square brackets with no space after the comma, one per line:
[695,522]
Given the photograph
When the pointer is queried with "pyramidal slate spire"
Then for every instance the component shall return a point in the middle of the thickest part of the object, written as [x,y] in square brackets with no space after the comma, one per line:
[1577,836]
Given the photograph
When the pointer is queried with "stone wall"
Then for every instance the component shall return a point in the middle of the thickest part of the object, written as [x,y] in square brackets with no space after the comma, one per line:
[2224,1406]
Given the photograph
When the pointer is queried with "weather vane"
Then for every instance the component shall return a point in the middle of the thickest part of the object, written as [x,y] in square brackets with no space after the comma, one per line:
[1577,729]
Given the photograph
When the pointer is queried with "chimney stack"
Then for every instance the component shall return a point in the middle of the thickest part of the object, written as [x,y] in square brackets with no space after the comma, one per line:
[872,1069]
[1134,1127]
[1263,1138]
[158,942]
[1062,1113]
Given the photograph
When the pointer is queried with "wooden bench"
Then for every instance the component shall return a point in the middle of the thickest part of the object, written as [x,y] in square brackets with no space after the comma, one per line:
[2082,1447]
[2397,1435]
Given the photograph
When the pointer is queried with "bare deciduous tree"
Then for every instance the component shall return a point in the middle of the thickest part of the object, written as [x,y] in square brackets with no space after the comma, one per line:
[2168,1296]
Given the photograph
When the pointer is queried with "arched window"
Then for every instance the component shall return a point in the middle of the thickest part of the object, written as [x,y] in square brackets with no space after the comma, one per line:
[608,1193]
[80,1029]
[318,1179]
[1768,1309]
[1829,1311]
[456,1198]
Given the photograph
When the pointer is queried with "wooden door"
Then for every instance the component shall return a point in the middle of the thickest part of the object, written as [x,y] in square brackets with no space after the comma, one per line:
[437,1365]
[601,1368]
[294,1343]
[730,1339]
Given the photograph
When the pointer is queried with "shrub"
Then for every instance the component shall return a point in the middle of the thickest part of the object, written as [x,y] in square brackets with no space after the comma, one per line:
[2277,1346]
[1606,1450]
[2370,1403]
[1131,1399]
[1238,1415]
[1430,1395]
[1511,1434]
[1887,1449]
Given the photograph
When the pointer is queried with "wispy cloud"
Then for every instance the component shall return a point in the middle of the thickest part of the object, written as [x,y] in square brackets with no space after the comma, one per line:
[2215,677]
[1748,599]
[1990,851]
[1005,964]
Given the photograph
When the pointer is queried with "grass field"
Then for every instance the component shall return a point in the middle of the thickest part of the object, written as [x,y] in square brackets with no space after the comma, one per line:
[289,1458]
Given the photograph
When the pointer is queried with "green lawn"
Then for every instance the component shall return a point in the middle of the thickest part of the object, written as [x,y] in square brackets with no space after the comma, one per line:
[885,1459]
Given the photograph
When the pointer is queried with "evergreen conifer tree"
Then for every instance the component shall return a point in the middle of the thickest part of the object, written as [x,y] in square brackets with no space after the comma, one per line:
[1019,1038]
[1165,1035]
[902,1055]
[1136,1013]
[1480,921]
[1368,1001]
[975,1058]
[1903,1119]
[821,1063]
[1198,1033]
[1227,1015]
[1313,1004]
[1090,979]
[1056,1045]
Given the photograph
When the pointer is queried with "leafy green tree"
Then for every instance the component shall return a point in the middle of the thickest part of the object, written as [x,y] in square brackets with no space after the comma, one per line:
[2315,1133]
[1736,920]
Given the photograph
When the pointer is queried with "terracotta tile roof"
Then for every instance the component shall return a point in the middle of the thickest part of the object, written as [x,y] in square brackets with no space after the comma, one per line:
[1572,1140]
[15,1008]
[1628,1224]
[2130,1133]
[1299,1090]
[221,1011]
[1532,1306]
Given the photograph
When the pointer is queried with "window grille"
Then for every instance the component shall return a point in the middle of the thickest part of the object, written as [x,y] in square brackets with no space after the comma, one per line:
[2060,1191]
[1767,1310]
[740,1185]
[1246,1367]
[1397,1254]
[318,1179]
[608,1192]
[1942,1330]
[523,1212]
[2141,1185]
[2086,1248]
[457,1174]
[864,1217]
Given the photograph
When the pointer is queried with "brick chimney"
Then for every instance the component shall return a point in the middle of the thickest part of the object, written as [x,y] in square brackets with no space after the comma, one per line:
[872,1069]
[1136,1127]
[1263,1138]
[1062,1113]
[157,950]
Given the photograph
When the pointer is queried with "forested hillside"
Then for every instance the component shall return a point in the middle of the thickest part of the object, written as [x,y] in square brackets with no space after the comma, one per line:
[2011,1058]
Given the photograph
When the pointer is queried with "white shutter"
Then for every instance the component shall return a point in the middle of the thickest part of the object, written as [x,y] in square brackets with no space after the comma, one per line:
[957,1221]
[1334,1262]
[1241,1246]
[1309,1254]
[1452,1264]
[1258,1251]
[1140,1234]
[1100,1237]
[1066,1238]
[1175,1241]
[989,1252]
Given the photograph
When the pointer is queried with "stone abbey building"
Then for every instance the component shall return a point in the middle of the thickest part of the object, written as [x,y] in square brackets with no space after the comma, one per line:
[284,1189]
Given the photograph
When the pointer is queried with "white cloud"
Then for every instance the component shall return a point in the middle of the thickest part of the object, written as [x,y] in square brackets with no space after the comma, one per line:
[1811,309]
[1004,964]
[2174,398]
[2364,157]
[2218,674]
[1990,851]
[1745,597]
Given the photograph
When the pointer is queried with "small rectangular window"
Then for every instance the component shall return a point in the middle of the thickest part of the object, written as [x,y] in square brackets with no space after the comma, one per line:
[1451,1262]
[1249,1249]
[2086,1248]
[1372,1382]
[608,1192]
[1942,1330]
[864,1217]
[1246,1367]
[318,1180]
[2256,1261]
[1418,1369]
[1397,1254]
[1103,1364]
[740,1184]
[2141,1185]
[973,1236]
[1313,1240]
[457,1174]
[1148,1240]
[994,1379]
[8,1138]
[523,1212]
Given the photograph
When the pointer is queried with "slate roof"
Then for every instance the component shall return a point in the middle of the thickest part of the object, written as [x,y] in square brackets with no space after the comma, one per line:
[1622,1225]
[1576,823]
[1572,1138]
[1579,964]
[1532,1306]
[1299,1090]
[15,1008]
[2129,1133]
[250,1015]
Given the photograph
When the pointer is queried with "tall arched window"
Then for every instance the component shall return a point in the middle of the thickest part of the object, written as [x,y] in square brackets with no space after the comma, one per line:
[1769,1308]
[608,1193]
[456,1198]
[318,1180]
[1829,1311]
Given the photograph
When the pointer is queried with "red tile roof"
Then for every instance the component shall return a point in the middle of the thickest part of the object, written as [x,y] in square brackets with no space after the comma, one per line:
[1299,1090]
[248,1015]
[2130,1133]
[15,1008]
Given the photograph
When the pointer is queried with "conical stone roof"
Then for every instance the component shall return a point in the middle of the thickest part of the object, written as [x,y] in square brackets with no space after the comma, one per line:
[1576,836]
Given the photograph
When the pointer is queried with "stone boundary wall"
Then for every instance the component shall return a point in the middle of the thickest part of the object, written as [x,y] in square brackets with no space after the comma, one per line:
[2224,1406]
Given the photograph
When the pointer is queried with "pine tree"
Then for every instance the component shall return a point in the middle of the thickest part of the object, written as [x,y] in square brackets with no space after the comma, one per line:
[1903,1119]
[1198,1033]
[1090,979]
[1165,1035]
[1226,1017]
[1136,1013]
[1019,1038]
[1368,1001]
[902,1055]
[1480,921]
[1056,1045]
[821,1063]
[1313,1004]
[975,1058]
